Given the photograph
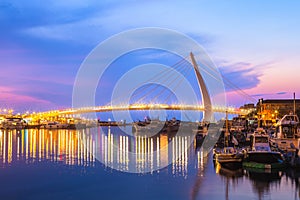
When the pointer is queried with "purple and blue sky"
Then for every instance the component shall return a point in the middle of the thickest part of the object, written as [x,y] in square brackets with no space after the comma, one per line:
[255,44]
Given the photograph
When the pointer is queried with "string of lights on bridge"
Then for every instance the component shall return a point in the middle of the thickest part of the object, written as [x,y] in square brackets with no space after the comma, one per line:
[75,111]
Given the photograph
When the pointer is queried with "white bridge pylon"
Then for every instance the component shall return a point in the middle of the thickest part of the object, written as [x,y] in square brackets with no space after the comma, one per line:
[208,110]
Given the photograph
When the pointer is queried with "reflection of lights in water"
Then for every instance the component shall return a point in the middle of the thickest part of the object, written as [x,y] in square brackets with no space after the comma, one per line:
[180,155]
[123,157]
[201,162]
[2,146]
[218,168]
[18,148]
[105,150]
[79,147]
[157,151]
[40,144]
[1,143]
[9,147]
[26,147]
[151,155]
[69,147]
[173,156]
[164,150]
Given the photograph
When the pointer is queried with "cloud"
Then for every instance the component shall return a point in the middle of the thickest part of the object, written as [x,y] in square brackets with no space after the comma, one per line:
[269,94]
[25,84]
[10,98]
[241,75]
[259,95]
[108,18]
[42,92]
[281,93]
[61,29]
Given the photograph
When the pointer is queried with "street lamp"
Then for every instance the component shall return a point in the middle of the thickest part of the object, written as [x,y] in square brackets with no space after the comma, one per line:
[276,114]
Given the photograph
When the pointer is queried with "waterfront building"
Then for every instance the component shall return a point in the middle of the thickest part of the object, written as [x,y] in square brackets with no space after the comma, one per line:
[248,108]
[270,110]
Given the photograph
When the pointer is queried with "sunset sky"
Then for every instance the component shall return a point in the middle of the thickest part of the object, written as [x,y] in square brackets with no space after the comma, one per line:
[255,44]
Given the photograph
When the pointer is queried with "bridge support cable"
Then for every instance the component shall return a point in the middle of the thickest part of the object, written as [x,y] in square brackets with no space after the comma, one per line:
[170,78]
[158,76]
[226,81]
[229,84]
[238,89]
[171,82]
[187,73]
[161,74]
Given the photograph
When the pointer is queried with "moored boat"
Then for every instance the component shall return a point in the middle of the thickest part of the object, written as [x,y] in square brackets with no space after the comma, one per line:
[286,139]
[261,156]
[288,127]
[54,125]
[12,123]
[228,155]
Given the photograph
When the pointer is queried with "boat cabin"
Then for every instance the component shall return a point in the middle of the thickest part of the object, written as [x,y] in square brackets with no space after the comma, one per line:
[288,127]
[260,143]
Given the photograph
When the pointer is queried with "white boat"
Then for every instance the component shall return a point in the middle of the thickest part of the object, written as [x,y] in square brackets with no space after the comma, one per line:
[288,127]
[54,125]
[258,131]
[260,154]
[13,123]
[286,138]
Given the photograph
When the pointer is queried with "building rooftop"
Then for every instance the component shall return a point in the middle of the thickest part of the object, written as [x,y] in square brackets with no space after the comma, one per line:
[280,101]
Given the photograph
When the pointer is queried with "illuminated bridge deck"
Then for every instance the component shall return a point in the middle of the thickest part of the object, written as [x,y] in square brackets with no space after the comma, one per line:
[73,111]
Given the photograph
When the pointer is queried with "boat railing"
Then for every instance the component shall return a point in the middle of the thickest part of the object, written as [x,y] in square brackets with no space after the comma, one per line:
[288,119]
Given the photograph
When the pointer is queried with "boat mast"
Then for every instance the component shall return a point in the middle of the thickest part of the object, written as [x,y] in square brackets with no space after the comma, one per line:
[295,130]
[226,130]
[294,103]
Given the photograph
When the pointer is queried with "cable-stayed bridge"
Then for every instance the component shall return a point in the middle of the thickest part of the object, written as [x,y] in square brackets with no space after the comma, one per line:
[156,92]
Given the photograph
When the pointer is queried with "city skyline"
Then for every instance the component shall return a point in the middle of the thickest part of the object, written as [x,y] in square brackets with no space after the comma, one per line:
[254,44]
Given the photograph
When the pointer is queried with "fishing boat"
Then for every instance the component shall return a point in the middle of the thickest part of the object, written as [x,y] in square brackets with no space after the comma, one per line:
[288,127]
[54,125]
[260,154]
[13,123]
[228,156]
[172,125]
[152,127]
[148,127]
[286,139]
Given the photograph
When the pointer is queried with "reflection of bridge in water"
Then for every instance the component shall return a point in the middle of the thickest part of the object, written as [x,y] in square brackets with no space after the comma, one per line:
[83,148]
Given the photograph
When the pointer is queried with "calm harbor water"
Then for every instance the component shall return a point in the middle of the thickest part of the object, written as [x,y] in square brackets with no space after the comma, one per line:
[65,164]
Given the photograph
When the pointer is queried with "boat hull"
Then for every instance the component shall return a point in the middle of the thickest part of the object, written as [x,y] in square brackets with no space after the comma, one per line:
[223,159]
[264,160]
[263,165]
